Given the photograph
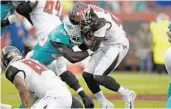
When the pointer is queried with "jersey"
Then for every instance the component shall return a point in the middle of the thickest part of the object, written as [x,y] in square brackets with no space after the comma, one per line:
[45,17]
[6,10]
[169,26]
[38,78]
[112,31]
[47,52]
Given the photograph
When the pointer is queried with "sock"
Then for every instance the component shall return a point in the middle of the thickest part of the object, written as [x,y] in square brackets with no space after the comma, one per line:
[81,92]
[100,97]
[121,90]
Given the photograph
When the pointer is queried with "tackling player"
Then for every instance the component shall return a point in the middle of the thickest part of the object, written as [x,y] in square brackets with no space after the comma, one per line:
[58,46]
[106,37]
[30,77]
[168,66]
[44,15]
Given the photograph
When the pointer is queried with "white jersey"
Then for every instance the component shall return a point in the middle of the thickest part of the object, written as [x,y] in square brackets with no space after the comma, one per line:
[38,78]
[45,17]
[112,32]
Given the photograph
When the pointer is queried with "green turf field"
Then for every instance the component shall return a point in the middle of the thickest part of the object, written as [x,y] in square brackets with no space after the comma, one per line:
[141,83]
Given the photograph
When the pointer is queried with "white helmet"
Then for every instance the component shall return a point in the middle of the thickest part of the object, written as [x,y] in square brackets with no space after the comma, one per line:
[74,33]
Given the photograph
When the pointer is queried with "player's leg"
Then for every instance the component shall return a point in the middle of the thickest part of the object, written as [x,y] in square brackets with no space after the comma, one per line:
[72,81]
[59,102]
[168,68]
[59,99]
[76,103]
[91,83]
[110,60]
[40,104]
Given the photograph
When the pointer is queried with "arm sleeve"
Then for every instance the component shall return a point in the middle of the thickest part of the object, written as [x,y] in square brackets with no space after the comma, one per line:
[12,72]
[101,32]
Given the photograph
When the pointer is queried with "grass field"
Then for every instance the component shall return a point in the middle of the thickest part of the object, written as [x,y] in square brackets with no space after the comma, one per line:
[145,84]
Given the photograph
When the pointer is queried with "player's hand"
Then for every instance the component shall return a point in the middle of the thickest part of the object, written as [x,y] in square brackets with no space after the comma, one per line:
[90,52]
[169,35]
[12,19]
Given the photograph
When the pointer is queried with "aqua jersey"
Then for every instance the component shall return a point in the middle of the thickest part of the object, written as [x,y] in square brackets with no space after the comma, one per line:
[47,53]
[6,10]
[169,26]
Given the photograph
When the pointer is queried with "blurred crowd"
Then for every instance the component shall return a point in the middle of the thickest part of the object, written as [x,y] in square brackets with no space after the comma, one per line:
[148,40]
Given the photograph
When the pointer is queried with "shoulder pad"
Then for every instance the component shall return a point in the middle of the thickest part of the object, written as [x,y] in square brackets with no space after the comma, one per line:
[11,72]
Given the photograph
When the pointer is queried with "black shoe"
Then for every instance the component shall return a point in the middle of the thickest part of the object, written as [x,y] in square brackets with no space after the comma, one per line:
[88,102]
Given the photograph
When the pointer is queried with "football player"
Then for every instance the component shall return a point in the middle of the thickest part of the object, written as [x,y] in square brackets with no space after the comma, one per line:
[30,77]
[58,46]
[168,66]
[44,15]
[106,38]
[7,15]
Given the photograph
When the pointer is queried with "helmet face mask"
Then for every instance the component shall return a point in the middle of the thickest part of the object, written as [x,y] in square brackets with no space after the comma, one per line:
[74,33]
[9,53]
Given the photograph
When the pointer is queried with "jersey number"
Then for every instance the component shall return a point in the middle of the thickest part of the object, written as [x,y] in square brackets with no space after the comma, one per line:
[52,7]
[115,19]
[38,68]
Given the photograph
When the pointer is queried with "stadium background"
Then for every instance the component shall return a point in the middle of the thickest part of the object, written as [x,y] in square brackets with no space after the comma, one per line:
[143,68]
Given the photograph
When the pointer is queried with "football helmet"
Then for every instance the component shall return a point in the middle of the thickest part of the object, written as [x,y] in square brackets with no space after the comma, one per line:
[74,33]
[9,54]
[80,13]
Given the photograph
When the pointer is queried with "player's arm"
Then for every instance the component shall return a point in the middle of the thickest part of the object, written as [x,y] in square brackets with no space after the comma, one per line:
[83,46]
[17,78]
[96,43]
[25,96]
[96,36]
[69,53]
